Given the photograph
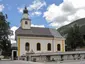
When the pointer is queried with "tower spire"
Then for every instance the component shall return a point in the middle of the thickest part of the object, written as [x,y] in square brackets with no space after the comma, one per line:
[25,13]
[25,10]
[25,7]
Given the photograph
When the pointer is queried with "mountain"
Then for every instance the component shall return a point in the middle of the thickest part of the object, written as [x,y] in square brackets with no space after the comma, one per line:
[81,22]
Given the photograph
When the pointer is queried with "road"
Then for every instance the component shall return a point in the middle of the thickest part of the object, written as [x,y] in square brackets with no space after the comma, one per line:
[28,62]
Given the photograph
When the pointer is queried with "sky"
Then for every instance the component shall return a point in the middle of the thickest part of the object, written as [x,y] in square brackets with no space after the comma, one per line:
[43,13]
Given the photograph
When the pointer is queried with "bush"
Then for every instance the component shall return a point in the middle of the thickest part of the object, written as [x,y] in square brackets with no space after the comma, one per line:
[1,57]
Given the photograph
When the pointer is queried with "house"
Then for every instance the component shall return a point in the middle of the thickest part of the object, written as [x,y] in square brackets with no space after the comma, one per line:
[37,40]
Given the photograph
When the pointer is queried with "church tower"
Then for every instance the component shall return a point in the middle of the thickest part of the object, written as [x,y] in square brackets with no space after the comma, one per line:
[25,21]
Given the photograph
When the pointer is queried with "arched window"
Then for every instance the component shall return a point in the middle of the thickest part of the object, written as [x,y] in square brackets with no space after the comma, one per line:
[58,47]
[26,22]
[27,46]
[38,46]
[49,47]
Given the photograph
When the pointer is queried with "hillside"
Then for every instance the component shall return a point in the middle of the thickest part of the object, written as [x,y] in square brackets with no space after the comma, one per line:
[81,22]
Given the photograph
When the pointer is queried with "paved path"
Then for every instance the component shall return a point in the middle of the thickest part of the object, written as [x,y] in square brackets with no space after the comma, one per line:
[18,62]
[28,62]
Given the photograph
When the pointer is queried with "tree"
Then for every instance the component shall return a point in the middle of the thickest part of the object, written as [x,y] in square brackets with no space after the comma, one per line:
[74,38]
[5,44]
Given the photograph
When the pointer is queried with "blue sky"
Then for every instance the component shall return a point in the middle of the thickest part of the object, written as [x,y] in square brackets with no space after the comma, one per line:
[43,13]
[14,16]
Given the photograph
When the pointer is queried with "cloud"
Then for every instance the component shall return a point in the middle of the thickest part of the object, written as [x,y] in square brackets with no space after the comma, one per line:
[12,38]
[66,12]
[77,3]
[80,13]
[57,24]
[1,7]
[36,5]
[37,25]
[34,8]
[52,12]
[37,13]
[20,10]
[67,6]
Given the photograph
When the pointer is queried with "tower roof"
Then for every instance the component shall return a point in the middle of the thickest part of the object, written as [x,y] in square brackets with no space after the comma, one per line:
[25,10]
[25,14]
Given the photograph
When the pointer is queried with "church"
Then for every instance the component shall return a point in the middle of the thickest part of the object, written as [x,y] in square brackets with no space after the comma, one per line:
[36,39]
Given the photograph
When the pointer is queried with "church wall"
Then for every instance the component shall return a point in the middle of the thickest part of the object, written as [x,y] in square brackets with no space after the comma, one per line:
[33,42]
[57,41]
[44,41]
[60,41]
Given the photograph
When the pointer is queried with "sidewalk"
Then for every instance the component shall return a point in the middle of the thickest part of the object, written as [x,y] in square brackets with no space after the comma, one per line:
[5,59]
[58,62]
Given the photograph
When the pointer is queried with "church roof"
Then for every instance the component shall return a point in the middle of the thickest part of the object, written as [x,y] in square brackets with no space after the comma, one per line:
[37,31]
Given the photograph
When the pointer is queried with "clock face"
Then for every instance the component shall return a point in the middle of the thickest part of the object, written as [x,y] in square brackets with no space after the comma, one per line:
[25,15]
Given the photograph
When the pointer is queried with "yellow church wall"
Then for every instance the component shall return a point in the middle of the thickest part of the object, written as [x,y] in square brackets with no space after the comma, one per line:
[63,46]
[18,46]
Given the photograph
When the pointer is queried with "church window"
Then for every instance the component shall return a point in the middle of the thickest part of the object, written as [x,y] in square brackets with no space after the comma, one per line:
[49,47]
[27,46]
[58,47]
[38,46]
[26,22]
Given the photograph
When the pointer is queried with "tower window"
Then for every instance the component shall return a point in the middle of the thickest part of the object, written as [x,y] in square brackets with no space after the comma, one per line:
[49,47]
[26,22]
[27,46]
[38,46]
[58,47]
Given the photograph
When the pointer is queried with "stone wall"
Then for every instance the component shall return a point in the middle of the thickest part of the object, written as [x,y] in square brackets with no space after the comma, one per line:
[63,57]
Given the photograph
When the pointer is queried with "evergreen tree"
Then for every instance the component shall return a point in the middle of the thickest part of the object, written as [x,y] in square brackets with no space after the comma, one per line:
[5,44]
[74,38]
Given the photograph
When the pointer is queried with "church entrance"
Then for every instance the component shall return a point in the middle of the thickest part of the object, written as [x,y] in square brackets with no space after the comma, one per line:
[14,55]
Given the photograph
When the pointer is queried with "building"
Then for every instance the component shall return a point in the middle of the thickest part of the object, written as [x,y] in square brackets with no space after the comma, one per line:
[37,40]
[14,51]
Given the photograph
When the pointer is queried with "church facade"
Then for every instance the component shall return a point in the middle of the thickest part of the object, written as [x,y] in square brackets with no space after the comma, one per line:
[37,40]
